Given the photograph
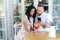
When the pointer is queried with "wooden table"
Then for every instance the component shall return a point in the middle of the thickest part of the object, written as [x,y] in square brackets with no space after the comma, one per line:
[40,36]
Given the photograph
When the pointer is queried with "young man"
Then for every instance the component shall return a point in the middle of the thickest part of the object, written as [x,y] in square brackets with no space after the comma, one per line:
[45,17]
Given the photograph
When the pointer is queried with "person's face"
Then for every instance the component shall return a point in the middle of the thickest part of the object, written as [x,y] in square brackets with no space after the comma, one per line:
[32,12]
[40,10]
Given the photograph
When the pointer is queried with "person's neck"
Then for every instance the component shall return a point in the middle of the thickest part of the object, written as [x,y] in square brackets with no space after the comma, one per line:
[39,14]
[31,16]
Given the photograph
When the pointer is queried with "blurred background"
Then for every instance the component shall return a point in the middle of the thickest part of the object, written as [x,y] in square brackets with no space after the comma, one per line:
[12,12]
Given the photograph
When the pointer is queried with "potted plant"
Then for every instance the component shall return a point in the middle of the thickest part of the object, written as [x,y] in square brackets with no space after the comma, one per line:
[44,26]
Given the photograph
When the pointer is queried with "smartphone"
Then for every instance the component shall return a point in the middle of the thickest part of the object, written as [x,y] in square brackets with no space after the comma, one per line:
[39,19]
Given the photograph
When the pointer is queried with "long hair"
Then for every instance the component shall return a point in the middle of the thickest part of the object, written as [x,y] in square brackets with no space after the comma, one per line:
[29,8]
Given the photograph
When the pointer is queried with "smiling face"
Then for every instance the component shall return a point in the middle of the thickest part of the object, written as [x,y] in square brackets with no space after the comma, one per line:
[32,12]
[40,10]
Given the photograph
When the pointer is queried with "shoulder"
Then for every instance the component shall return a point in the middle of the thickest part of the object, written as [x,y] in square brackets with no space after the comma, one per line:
[45,13]
[24,18]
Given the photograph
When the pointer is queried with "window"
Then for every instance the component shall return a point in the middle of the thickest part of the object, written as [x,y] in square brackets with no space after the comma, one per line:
[2,22]
[2,36]
[1,2]
[17,11]
[56,1]
[2,19]
[56,13]
[17,16]
[27,3]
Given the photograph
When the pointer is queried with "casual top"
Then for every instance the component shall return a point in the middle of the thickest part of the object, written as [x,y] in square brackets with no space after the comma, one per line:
[22,31]
[29,23]
[45,18]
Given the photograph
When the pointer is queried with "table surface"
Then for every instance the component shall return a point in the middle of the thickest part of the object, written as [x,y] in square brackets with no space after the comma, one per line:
[40,36]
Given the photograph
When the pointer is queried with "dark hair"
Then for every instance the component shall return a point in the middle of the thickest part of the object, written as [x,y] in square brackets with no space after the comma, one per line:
[45,7]
[41,5]
[29,8]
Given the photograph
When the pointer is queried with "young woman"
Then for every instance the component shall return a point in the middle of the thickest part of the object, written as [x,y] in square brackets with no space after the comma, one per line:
[28,22]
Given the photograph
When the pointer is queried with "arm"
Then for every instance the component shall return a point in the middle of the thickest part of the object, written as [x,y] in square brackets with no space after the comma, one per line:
[25,26]
[49,19]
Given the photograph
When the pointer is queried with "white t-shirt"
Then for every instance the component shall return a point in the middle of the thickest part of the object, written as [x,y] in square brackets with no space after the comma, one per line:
[45,18]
